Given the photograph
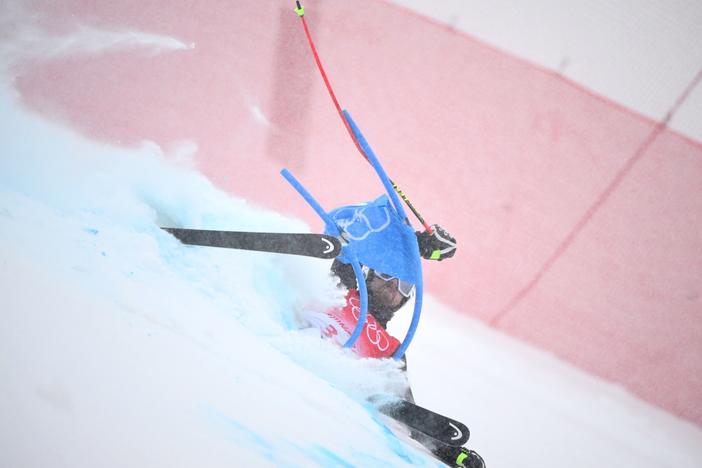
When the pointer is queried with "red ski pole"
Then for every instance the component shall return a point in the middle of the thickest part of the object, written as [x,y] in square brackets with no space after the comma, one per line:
[300,10]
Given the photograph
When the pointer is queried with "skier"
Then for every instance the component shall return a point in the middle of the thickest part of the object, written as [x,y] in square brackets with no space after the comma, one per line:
[386,292]
[386,295]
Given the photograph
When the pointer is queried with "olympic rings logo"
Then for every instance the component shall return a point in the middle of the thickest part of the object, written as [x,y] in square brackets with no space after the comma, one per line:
[357,225]
[380,340]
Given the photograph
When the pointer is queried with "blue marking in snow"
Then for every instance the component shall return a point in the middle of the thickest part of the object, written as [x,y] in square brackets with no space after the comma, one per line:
[237,432]
[329,458]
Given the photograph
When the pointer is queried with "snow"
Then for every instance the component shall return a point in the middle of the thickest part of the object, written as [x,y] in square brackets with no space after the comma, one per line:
[121,347]
[114,331]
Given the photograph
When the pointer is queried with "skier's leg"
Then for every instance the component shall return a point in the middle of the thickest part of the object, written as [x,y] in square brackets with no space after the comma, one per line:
[458,456]
[452,456]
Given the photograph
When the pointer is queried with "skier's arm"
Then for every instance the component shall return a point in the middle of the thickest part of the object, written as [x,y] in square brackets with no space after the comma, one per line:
[436,246]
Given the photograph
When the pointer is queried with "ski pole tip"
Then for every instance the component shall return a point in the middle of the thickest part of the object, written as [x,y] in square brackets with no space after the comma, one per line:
[300,10]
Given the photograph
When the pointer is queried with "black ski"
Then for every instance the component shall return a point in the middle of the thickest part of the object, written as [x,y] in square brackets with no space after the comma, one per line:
[440,428]
[309,245]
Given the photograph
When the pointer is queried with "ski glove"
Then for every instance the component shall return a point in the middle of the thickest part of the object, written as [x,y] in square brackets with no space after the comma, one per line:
[436,246]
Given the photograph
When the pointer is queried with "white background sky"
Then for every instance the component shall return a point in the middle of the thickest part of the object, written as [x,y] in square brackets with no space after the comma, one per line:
[641,54]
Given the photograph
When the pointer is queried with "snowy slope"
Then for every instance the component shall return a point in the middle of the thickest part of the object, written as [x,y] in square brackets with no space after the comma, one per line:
[121,347]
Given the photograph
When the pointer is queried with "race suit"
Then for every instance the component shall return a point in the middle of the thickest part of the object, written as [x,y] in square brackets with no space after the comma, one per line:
[338,324]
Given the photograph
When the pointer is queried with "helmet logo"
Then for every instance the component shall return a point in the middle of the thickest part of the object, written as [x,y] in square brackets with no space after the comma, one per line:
[457,434]
[329,246]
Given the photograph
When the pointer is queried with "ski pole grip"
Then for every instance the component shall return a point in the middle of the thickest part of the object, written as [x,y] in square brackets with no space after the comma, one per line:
[300,10]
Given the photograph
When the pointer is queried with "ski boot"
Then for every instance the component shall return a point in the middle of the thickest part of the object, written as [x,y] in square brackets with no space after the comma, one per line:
[469,459]
[458,457]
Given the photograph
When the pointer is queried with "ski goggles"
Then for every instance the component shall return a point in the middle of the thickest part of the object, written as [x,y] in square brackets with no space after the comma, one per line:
[404,287]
